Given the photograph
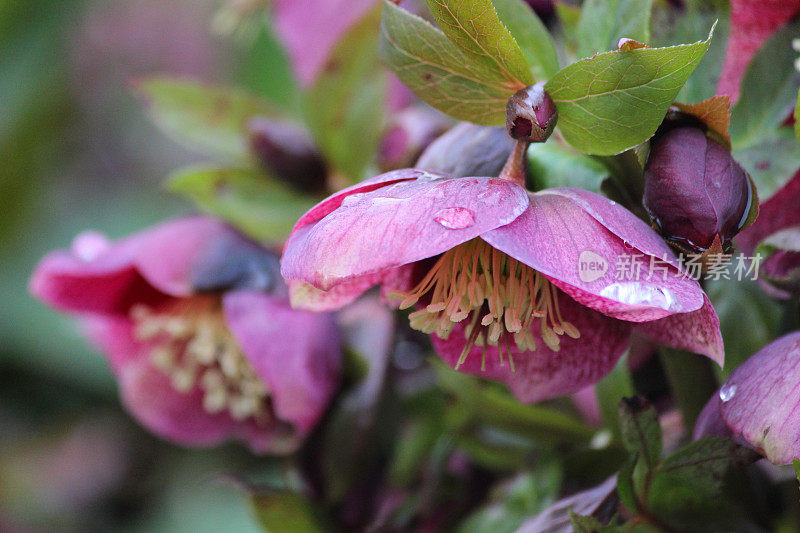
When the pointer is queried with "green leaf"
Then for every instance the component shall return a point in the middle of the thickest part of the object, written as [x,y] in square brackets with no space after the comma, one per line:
[439,72]
[285,511]
[202,117]
[514,500]
[604,22]
[625,490]
[796,464]
[671,27]
[263,208]
[568,18]
[344,109]
[641,433]
[531,35]
[616,100]
[617,385]
[797,118]
[589,524]
[496,407]
[475,28]
[555,165]
[700,465]
[771,161]
[686,488]
[768,91]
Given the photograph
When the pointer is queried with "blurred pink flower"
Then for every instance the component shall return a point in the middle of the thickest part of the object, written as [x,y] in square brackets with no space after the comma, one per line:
[516,286]
[757,405]
[752,23]
[197,326]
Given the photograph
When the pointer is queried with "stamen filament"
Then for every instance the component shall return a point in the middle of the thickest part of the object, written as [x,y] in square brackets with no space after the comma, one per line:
[498,294]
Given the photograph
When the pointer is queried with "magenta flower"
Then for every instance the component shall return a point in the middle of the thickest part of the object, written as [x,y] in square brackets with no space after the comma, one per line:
[197,326]
[777,229]
[516,286]
[757,406]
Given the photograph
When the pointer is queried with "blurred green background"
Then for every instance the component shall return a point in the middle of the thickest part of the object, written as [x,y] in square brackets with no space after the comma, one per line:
[78,153]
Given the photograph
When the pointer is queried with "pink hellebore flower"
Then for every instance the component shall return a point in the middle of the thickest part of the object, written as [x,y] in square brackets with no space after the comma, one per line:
[500,274]
[197,326]
[758,404]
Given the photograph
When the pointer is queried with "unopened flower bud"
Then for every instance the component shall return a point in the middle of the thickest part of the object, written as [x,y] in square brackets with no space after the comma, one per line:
[531,114]
[695,192]
[288,153]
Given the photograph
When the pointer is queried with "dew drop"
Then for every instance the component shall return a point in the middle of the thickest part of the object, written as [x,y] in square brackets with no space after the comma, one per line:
[635,293]
[455,218]
[727,392]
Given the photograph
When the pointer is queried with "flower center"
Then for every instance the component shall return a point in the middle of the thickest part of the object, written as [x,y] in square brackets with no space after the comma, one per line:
[497,295]
[191,344]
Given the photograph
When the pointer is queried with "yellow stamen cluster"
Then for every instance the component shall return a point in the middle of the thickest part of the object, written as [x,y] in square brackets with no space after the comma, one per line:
[191,344]
[498,295]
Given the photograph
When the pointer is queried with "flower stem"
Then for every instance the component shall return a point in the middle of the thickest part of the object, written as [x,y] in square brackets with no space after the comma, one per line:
[515,167]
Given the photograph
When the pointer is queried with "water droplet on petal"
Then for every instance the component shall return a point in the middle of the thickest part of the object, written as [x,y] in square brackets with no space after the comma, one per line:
[635,293]
[727,392]
[455,218]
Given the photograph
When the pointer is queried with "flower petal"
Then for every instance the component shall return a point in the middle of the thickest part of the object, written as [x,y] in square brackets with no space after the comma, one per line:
[392,226]
[697,332]
[619,221]
[145,267]
[175,416]
[759,402]
[108,282]
[570,241]
[307,297]
[710,420]
[168,255]
[543,373]
[332,202]
[297,354]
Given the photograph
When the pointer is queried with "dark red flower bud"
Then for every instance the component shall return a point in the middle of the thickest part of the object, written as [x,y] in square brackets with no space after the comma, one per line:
[531,114]
[694,191]
[288,153]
